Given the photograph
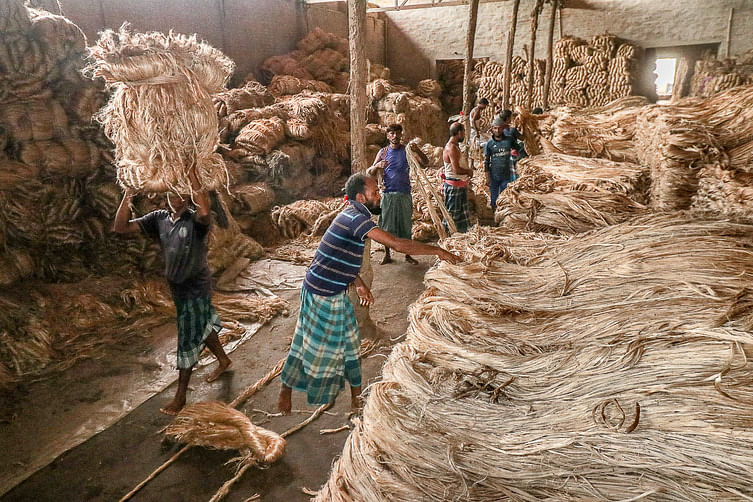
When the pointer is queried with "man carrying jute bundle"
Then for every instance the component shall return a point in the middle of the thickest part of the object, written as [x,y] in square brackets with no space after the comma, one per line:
[397,202]
[182,233]
[456,179]
[326,342]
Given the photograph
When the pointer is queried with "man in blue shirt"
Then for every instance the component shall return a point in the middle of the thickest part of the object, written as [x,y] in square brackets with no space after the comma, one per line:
[326,342]
[397,204]
[499,155]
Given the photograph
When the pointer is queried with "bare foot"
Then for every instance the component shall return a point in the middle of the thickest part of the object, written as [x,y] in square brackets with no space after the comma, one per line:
[224,366]
[284,403]
[411,260]
[173,408]
[386,260]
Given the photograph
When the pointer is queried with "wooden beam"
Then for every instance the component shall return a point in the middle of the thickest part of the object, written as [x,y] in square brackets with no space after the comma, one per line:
[531,55]
[470,40]
[508,55]
[549,43]
[426,5]
[729,31]
[358,78]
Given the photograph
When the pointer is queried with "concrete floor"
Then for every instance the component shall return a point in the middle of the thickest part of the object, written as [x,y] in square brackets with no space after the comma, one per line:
[110,464]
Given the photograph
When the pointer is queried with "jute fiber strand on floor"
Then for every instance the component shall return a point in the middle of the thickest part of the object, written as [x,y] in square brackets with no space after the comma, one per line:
[611,365]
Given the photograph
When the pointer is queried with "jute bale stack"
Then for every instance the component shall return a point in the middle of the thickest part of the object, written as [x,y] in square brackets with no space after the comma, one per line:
[712,76]
[516,369]
[450,77]
[566,195]
[153,76]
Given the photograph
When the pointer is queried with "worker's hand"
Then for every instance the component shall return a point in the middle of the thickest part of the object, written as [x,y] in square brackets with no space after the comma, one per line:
[365,296]
[445,255]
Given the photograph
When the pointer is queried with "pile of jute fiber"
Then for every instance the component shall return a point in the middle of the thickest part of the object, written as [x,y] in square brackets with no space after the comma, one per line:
[529,376]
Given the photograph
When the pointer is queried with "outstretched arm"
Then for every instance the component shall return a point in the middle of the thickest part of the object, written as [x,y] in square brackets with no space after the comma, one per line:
[407,246]
[123,223]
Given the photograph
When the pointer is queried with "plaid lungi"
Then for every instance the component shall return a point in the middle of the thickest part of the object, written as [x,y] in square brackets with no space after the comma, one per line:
[397,214]
[324,352]
[196,321]
[456,202]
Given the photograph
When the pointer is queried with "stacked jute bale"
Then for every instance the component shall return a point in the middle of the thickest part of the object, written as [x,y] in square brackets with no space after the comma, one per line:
[527,375]
[583,74]
[450,77]
[564,194]
[712,76]
[419,115]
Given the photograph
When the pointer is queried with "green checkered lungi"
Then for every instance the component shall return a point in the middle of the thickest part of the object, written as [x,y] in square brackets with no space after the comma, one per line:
[196,321]
[456,202]
[325,347]
[397,214]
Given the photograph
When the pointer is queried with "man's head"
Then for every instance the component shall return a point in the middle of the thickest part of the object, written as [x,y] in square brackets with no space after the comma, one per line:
[364,189]
[483,103]
[505,115]
[394,134]
[457,131]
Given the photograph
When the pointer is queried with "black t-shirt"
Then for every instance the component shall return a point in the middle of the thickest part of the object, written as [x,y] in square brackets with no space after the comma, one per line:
[184,248]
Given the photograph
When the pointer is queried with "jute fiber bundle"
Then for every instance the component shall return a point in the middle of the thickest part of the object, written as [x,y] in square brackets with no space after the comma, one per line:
[262,135]
[429,88]
[251,95]
[283,65]
[255,197]
[516,370]
[302,215]
[154,77]
[724,192]
[218,426]
[318,39]
[286,84]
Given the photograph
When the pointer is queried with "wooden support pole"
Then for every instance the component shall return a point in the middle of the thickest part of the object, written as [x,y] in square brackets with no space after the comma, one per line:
[549,42]
[358,77]
[531,54]
[508,55]
[470,40]
[729,31]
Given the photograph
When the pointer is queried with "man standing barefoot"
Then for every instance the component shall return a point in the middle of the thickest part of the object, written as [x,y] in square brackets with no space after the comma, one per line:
[397,203]
[326,342]
[182,233]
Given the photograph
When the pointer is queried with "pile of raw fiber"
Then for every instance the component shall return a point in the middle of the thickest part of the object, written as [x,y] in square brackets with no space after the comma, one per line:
[420,117]
[712,76]
[530,377]
[285,84]
[253,198]
[306,216]
[218,426]
[724,192]
[606,132]
[153,77]
[674,145]
[429,88]
[251,95]
[450,77]
[565,195]
[261,136]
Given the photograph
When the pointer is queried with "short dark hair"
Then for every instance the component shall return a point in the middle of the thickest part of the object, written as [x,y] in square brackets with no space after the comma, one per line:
[537,111]
[394,128]
[505,115]
[455,128]
[483,101]
[356,184]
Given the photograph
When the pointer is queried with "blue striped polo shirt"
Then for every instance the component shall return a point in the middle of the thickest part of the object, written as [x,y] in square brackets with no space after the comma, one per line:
[338,258]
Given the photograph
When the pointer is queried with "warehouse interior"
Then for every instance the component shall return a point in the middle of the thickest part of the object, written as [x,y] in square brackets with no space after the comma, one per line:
[591,342]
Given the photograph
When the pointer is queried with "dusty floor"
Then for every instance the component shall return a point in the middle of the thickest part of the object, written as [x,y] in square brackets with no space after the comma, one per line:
[110,464]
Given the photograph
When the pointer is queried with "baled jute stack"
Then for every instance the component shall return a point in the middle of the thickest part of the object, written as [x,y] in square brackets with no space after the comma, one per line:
[527,375]
[160,116]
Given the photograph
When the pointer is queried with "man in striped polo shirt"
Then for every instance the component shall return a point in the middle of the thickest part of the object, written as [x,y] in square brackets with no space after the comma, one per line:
[326,342]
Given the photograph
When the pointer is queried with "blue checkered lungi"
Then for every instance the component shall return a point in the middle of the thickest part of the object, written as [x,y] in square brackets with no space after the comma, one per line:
[324,352]
[197,318]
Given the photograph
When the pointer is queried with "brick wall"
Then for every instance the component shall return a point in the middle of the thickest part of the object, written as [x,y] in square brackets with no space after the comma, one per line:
[248,31]
[415,39]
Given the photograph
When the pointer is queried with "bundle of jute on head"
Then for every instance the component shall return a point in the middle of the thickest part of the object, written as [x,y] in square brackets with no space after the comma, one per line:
[160,114]
[218,426]
[530,377]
